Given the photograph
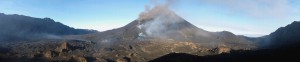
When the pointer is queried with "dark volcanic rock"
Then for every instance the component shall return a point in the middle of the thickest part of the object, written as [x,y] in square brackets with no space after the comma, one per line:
[289,53]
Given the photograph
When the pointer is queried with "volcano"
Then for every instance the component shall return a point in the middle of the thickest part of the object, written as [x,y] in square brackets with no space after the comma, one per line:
[164,25]
[158,32]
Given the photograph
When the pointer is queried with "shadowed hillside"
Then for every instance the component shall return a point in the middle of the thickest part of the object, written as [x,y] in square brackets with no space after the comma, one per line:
[285,36]
[19,27]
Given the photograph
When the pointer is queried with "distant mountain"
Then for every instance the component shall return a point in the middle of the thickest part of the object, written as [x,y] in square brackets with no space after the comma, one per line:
[19,27]
[285,36]
[282,37]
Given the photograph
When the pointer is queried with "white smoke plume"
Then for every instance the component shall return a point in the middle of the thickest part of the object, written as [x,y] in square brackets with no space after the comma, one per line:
[159,9]
[156,21]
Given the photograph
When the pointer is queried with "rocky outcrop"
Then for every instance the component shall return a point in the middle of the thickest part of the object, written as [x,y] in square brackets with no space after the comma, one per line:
[78,59]
[220,50]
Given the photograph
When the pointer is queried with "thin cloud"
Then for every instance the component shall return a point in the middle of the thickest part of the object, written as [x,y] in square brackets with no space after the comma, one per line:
[256,8]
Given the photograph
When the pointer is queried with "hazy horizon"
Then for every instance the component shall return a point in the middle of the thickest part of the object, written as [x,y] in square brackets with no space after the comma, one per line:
[250,17]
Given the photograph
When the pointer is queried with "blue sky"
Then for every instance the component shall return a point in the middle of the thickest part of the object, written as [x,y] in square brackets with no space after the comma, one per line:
[242,17]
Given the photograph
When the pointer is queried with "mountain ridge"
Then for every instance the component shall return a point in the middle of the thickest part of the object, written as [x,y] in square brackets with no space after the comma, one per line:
[25,27]
[285,36]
